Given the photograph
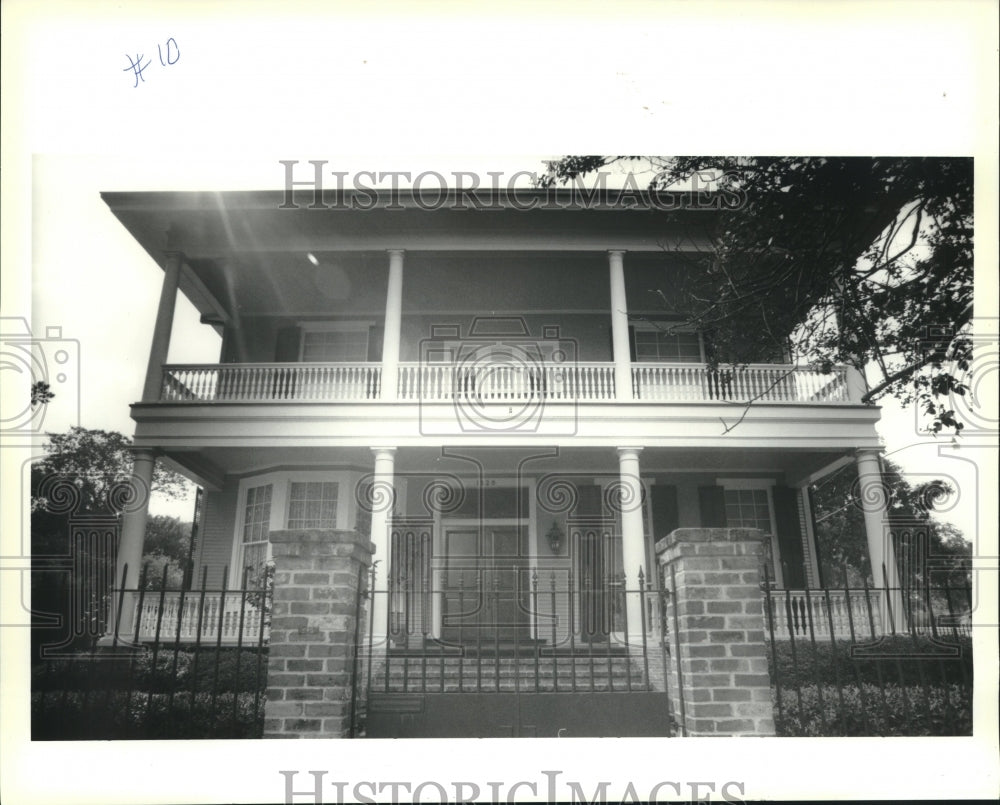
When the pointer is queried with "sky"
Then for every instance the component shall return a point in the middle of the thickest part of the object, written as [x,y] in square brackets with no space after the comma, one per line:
[385,86]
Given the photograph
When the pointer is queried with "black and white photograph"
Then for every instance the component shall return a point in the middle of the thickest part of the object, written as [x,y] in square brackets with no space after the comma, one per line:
[348,395]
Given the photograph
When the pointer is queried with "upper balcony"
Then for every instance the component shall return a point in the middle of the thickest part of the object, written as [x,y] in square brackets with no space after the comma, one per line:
[336,327]
[500,383]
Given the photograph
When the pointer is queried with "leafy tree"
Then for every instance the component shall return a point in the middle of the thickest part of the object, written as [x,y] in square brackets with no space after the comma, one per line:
[167,545]
[866,261]
[98,464]
[84,473]
[928,551]
[40,393]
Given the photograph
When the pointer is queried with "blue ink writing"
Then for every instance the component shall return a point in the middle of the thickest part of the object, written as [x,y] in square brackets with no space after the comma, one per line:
[136,67]
[169,53]
[176,51]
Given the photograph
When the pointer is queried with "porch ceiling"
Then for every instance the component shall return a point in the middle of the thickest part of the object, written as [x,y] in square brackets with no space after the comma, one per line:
[218,462]
[330,283]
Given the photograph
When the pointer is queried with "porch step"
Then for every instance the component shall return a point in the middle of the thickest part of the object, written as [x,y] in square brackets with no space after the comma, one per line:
[411,673]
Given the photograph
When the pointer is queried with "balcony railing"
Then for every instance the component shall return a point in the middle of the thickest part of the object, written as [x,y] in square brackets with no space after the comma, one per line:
[800,613]
[271,382]
[506,382]
[204,618]
[485,383]
[680,382]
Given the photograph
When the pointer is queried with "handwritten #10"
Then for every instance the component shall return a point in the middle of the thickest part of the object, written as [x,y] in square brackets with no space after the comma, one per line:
[169,53]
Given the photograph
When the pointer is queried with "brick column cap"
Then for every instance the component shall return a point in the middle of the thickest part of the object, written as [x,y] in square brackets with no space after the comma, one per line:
[681,535]
[316,536]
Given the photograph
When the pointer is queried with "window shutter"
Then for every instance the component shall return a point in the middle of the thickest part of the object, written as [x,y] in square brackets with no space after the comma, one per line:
[786,516]
[286,347]
[815,546]
[664,502]
[712,501]
[589,501]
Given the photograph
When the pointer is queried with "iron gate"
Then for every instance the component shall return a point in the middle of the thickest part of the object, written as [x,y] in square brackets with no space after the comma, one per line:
[519,653]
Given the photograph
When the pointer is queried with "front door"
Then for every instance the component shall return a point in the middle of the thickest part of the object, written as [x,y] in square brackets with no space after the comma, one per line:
[485,584]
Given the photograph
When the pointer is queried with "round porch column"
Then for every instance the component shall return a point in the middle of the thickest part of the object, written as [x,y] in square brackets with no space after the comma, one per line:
[619,327]
[130,544]
[880,549]
[382,500]
[393,325]
[857,385]
[164,324]
[633,539]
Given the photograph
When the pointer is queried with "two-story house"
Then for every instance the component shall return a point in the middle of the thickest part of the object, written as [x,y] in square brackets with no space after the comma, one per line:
[500,396]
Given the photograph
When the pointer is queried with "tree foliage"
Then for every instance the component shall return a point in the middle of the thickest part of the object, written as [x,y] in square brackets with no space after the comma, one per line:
[96,463]
[928,551]
[865,261]
[166,550]
[84,473]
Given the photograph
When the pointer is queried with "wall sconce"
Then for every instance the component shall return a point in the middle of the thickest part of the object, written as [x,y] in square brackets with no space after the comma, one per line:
[554,537]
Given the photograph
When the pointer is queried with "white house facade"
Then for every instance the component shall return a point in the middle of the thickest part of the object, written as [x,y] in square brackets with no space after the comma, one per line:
[502,398]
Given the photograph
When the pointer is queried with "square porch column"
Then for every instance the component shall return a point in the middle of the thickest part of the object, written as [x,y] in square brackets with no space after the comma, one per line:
[317,621]
[719,681]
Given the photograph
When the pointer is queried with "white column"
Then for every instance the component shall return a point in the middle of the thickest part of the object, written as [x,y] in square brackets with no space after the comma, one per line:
[393,324]
[383,501]
[633,539]
[130,544]
[857,385]
[880,550]
[619,327]
[161,331]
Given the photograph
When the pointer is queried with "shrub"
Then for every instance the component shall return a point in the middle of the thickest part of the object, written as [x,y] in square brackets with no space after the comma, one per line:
[890,710]
[895,660]
[121,715]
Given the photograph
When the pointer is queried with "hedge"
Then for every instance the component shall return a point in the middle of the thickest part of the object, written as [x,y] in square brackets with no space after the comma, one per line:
[902,686]
[120,715]
[182,695]
[889,710]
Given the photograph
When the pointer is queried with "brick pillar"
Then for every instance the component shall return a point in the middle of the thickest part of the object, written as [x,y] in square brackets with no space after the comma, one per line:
[313,618]
[713,575]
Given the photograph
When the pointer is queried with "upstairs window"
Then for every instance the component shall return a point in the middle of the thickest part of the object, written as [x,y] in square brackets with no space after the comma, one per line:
[664,346]
[335,346]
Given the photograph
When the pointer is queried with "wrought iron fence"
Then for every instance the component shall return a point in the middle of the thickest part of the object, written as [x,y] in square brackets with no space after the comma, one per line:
[194,670]
[870,661]
[530,632]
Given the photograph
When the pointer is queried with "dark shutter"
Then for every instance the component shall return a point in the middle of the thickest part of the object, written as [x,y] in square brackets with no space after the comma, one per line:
[286,346]
[712,500]
[815,546]
[376,337]
[664,503]
[589,501]
[786,515]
